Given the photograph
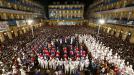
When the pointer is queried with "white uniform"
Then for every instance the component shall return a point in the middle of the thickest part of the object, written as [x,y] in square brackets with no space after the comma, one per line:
[46,64]
[72,68]
[66,68]
[81,65]
[51,64]
[86,63]
[23,72]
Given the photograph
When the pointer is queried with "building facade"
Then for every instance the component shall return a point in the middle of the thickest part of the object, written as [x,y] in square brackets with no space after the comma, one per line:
[66,11]
[14,15]
[118,14]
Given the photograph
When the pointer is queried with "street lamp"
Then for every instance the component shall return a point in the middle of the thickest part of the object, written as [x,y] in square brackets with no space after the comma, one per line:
[30,22]
[100,22]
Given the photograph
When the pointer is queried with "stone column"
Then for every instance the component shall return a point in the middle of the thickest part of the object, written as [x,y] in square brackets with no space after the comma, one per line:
[24,30]
[117,33]
[9,35]
[112,32]
[28,29]
[2,38]
[103,29]
[124,35]
[108,29]
[132,38]
[15,33]
[20,32]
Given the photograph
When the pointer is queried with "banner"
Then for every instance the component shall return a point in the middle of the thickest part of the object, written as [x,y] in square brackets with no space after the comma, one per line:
[3,26]
[66,23]
[20,23]
[12,23]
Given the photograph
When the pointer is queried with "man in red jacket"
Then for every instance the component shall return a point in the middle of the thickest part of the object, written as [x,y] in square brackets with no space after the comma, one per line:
[57,54]
[65,57]
[84,53]
[47,53]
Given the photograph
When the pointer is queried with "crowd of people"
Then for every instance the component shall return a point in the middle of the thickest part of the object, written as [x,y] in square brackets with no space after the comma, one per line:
[63,53]
[104,60]
[17,55]
[123,47]
[64,50]
[14,51]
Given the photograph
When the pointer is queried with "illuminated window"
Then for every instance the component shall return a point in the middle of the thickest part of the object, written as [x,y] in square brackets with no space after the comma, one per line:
[72,11]
[60,12]
[67,11]
[79,11]
[63,11]
[75,11]
[67,6]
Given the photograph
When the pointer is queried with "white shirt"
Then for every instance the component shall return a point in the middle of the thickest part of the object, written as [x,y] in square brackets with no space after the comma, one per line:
[22,72]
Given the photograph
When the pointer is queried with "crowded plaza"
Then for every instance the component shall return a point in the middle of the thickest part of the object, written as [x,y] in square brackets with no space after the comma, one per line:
[48,37]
